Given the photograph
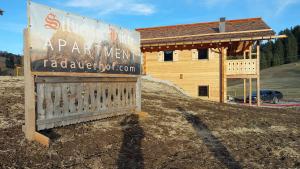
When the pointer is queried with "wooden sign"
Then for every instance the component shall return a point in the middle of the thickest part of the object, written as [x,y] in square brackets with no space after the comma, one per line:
[64,42]
[77,70]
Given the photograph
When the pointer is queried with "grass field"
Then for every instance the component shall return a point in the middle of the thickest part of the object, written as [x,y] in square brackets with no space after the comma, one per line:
[284,78]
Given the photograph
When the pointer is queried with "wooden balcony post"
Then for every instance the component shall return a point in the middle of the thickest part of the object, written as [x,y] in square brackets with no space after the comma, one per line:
[224,75]
[245,90]
[223,82]
[250,51]
[258,72]
[250,91]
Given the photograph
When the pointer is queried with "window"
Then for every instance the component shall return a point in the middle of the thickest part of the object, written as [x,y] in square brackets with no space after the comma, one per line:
[202,53]
[168,55]
[203,90]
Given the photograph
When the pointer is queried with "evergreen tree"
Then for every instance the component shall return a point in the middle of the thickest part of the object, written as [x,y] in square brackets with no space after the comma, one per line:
[263,61]
[10,63]
[290,45]
[268,53]
[296,32]
[278,53]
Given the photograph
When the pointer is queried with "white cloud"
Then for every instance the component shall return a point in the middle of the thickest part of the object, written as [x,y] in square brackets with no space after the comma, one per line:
[114,6]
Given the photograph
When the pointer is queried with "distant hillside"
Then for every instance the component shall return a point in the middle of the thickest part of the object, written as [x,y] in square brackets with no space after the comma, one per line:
[284,78]
[8,62]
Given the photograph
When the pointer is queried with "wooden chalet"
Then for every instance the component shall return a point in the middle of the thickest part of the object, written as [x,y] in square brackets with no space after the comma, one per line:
[201,57]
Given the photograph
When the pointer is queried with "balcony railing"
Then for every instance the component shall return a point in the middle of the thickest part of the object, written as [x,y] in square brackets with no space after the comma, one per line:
[241,67]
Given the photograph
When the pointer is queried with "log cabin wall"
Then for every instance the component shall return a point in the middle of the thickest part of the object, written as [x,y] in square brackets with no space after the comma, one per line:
[187,71]
[234,40]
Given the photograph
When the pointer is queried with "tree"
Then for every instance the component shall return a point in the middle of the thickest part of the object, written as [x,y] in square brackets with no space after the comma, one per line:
[10,62]
[263,61]
[296,32]
[290,45]
[267,51]
[278,53]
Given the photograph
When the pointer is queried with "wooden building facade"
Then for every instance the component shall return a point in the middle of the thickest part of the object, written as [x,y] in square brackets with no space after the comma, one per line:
[200,57]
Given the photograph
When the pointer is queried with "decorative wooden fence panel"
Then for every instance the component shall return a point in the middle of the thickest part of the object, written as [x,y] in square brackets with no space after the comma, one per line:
[63,101]
[241,67]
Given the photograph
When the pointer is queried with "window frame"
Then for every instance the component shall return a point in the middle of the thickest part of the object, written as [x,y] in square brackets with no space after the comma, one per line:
[164,57]
[199,52]
[207,90]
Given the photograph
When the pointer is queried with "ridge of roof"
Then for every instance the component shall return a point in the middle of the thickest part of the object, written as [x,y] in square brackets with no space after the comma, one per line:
[198,23]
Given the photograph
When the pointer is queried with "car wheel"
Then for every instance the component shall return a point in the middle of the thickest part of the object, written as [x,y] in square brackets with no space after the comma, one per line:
[275,100]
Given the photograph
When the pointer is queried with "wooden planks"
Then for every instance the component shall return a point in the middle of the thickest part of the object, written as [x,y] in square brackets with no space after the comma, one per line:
[195,72]
[68,103]
[258,73]
[44,140]
[250,91]
[30,115]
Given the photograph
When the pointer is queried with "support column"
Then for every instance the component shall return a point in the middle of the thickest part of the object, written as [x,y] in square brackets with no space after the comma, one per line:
[245,83]
[245,90]
[250,91]
[224,78]
[258,72]
[250,51]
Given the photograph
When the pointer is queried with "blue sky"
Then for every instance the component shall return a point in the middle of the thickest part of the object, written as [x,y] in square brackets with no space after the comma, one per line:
[278,14]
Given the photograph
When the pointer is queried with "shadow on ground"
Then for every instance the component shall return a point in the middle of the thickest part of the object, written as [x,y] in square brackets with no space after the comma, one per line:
[213,144]
[130,155]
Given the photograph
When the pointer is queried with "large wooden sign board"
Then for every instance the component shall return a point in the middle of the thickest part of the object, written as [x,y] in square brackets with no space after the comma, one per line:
[77,70]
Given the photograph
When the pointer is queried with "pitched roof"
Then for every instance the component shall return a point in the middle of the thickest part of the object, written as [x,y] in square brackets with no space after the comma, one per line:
[208,31]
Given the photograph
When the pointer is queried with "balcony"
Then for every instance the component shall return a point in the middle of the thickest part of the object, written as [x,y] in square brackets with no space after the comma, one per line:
[241,67]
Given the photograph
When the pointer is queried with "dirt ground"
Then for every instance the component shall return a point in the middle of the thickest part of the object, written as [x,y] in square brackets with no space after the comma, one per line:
[175,132]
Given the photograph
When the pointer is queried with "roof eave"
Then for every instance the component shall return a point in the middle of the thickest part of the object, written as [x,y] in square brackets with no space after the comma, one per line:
[216,41]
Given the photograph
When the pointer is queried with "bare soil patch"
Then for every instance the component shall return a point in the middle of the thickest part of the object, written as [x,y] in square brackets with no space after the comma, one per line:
[177,132]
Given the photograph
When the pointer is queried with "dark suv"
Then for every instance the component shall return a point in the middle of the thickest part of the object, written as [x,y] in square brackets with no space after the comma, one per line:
[270,96]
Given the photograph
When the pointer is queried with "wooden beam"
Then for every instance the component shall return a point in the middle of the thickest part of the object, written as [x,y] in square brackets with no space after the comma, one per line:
[241,76]
[42,139]
[223,75]
[250,91]
[250,51]
[207,34]
[217,41]
[181,47]
[258,73]
[83,79]
[29,91]
[80,74]
[223,80]
[245,90]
